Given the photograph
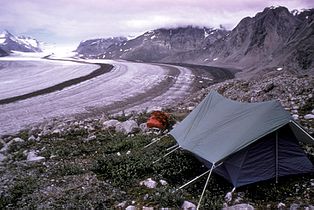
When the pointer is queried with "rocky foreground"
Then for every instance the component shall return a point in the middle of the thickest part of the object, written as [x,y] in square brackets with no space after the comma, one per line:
[101,162]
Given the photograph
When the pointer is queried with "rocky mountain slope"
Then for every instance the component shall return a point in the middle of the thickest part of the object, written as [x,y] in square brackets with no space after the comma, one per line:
[273,38]
[95,47]
[10,42]
[159,44]
[3,53]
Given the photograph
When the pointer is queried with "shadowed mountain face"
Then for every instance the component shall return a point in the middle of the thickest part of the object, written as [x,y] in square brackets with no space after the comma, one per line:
[275,37]
[3,53]
[161,43]
[95,47]
[9,42]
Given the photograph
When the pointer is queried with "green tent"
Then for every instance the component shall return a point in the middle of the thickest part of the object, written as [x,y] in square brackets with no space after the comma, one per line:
[244,142]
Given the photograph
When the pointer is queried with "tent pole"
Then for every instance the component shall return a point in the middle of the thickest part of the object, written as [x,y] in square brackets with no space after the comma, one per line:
[210,172]
[166,155]
[276,157]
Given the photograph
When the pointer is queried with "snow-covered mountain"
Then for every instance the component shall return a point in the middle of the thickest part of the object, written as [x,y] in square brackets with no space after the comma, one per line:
[10,42]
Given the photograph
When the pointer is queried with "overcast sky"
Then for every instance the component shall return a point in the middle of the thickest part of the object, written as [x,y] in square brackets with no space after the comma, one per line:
[70,21]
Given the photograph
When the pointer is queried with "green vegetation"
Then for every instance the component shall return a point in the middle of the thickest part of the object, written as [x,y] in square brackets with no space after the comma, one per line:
[107,170]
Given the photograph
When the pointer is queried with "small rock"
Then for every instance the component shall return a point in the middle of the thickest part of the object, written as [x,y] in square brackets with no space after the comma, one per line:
[130,208]
[118,153]
[6,146]
[188,205]
[110,124]
[268,87]
[144,127]
[242,206]
[121,205]
[128,152]
[148,208]
[56,132]
[127,127]
[309,116]
[294,206]
[163,182]
[16,140]
[228,197]
[295,116]
[149,183]
[31,156]
[190,108]
[91,138]
[281,205]
[32,138]
[2,158]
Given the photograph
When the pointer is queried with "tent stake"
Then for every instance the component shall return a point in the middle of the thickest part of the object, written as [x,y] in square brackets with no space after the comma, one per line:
[199,202]
[166,154]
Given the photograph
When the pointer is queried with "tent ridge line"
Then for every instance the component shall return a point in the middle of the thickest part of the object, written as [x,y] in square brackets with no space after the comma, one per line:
[304,131]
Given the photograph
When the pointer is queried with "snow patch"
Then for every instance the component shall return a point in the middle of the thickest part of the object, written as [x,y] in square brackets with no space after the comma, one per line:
[279,68]
[215,59]
[205,34]
[153,37]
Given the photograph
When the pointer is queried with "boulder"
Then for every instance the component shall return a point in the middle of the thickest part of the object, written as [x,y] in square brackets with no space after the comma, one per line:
[110,124]
[149,183]
[188,206]
[127,127]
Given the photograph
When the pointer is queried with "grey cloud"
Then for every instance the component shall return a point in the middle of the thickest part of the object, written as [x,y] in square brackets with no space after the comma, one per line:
[81,19]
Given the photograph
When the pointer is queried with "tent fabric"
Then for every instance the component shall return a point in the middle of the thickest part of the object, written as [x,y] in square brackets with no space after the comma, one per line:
[243,136]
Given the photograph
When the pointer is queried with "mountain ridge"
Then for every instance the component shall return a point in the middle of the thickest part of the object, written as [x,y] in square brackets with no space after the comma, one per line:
[273,38]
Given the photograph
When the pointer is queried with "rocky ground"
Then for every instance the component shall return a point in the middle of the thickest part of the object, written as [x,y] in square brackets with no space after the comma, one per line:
[101,162]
